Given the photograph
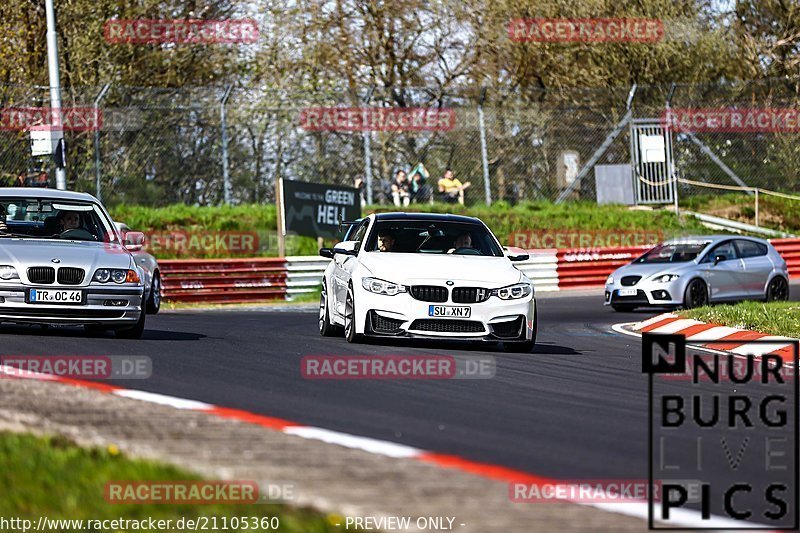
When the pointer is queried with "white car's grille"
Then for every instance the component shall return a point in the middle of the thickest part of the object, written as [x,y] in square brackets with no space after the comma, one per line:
[429,293]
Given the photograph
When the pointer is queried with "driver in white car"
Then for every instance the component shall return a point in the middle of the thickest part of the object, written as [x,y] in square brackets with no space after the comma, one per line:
[385,242]
[464,240]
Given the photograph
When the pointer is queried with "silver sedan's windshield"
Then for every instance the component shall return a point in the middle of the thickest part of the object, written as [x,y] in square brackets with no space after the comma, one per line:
[48,218]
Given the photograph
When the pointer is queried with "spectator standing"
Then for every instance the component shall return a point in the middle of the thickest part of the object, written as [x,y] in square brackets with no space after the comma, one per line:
[401,189]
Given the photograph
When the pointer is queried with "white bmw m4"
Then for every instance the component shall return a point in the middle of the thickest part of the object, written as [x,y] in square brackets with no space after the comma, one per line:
[426,276]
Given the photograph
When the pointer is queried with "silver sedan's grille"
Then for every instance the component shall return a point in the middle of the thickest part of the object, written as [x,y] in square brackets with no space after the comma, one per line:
[42,275]
[70,275]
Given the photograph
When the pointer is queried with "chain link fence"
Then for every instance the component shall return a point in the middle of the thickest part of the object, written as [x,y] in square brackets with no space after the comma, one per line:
[161,146]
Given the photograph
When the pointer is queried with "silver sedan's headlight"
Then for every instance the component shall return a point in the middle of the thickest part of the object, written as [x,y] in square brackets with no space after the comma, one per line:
[8,272]
[610,280]
[666,278]
[514,292]
[379,286]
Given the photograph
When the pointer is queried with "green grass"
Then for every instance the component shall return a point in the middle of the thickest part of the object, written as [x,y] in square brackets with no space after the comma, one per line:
[54,478]
[501,217]
[774,212]
[774,318]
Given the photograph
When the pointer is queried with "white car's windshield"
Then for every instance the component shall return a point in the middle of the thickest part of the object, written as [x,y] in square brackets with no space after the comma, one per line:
[48,218]
[673,253]
[432,237]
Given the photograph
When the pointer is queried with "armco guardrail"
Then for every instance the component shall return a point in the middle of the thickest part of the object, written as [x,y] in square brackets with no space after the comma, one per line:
[248,280]
[790,250]
[590,268]
[223,280]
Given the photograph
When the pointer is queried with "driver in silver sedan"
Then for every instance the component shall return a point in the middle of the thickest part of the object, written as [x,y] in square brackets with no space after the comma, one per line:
[69,220]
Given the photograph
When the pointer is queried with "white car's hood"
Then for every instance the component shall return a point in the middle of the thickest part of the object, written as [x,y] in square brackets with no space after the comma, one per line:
[491,272]
[24,253]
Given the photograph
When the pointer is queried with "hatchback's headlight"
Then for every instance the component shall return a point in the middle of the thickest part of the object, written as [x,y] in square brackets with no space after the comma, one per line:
[117,275]
[8,272]
[610,280]
[514,292]
[665,278]
[379,286]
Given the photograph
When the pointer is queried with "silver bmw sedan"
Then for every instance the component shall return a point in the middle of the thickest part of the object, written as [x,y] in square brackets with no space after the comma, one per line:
[696,271]
[62,261]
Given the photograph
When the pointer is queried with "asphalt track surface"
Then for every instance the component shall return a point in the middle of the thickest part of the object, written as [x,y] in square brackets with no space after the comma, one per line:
[576,408]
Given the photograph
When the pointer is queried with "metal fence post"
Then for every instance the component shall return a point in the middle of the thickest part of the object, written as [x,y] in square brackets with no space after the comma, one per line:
[226,178]
[98,174]
[487,187]
[368,148]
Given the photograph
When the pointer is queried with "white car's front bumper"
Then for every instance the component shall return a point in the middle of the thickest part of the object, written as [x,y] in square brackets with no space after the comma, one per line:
[403,315]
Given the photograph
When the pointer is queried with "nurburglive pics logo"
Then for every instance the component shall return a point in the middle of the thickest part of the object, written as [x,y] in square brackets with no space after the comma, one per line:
[722,444]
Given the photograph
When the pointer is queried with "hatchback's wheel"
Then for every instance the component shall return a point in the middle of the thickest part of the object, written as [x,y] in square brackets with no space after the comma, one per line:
[350,317]
[154,300]
[696,294]
[326,327]
[778,290]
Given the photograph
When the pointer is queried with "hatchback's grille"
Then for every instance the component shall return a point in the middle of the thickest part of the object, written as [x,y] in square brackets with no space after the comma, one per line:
[42,275]
[509,329]
[70,275]
[470,295]
[629,281]
[381,324]
[448,326]
[429,293]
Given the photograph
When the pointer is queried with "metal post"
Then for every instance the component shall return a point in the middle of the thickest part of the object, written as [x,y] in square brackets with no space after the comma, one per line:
[226,178]
[601,150]
[368,149]
[668,132]
[97,172]
[55,83]
[756,191]
[484,156]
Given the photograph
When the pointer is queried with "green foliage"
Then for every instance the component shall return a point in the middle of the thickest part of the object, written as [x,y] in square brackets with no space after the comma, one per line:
[501,217]
[774,318]
[53,477]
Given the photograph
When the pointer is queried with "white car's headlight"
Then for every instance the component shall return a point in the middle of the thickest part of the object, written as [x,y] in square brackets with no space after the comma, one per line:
[379,286]
[665,278]
[610,280]
[514,292]
[8,272]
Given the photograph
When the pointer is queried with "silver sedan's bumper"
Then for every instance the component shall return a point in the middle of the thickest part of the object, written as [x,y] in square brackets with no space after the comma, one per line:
[103,305]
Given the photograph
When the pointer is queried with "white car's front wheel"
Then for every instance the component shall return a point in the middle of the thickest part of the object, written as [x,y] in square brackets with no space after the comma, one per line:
[350,317]
[326,327]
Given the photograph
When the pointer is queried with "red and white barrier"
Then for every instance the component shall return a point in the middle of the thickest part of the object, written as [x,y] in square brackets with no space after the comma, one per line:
[247,280]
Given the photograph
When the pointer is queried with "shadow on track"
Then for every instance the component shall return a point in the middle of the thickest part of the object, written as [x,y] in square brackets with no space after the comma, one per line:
[79,331]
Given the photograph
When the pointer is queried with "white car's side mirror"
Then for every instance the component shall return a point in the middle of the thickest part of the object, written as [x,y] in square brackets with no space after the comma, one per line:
[346,248]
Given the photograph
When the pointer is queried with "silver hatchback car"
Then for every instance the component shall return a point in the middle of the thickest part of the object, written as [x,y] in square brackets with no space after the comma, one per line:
[696,271]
